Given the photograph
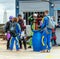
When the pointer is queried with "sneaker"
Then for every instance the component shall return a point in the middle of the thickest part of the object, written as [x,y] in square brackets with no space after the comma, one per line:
[48,51]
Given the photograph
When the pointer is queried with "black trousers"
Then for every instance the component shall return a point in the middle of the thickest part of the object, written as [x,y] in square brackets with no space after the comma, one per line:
[24,43]
[8,43]
[54,42]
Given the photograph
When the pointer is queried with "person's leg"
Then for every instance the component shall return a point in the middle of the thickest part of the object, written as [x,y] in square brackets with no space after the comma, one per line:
[49,40]
[55,42]
[17,44]
[20,43]
[30,43]
[7,44]
[12,43]
[24,42]
[52,42]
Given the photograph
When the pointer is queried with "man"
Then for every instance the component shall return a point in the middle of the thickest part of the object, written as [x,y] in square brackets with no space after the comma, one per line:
[32,20]
[49,30]
[47,26]
[43,30]
[21,22]
[7,30]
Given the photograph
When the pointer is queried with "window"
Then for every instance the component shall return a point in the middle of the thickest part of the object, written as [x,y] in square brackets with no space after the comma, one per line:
[27,14]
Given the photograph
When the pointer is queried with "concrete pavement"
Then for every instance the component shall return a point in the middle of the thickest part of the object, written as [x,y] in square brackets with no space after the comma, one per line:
[28,54]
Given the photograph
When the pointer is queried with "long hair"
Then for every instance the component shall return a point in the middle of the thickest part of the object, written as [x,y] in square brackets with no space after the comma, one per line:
[14,19]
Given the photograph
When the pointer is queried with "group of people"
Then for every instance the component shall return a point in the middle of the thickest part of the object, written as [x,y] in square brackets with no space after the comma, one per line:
[15,28]
[44,24]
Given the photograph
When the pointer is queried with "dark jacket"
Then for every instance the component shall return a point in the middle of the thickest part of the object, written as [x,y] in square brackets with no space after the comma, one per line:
[21,25]
[7,26]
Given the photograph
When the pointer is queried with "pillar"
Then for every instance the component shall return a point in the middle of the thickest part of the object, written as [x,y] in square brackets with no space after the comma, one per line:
[17,7]
[51,8]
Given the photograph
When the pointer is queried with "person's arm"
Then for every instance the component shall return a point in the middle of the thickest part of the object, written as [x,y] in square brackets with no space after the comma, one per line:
[30,18]
[19,28]
[45,22]
[22,25]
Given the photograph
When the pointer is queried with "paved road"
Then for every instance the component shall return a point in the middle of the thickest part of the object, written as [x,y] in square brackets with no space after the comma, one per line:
[28,54]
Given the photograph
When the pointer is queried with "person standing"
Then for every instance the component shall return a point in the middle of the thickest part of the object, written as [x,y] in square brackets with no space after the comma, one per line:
[33,24]
[43,30]
[15,32]
[6,29]
[21,22]
[49,29]
[54,43]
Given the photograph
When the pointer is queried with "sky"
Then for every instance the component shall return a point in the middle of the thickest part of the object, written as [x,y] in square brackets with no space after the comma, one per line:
[7,6]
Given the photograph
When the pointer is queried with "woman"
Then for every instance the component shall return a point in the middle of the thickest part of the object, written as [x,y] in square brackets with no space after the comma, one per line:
[15,31]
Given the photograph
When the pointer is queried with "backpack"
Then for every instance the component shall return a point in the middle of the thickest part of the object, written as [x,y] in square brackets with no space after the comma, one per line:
[50,22]
[13,29]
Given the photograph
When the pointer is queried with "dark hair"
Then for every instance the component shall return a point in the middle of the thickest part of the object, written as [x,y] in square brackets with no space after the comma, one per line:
[40,15]
[20,15]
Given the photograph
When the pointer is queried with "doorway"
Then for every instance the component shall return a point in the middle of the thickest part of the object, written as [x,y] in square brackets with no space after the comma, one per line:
[27,14]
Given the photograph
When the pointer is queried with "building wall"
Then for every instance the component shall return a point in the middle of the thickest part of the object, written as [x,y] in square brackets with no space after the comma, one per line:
[57,5]
[32,6]
[56,8]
